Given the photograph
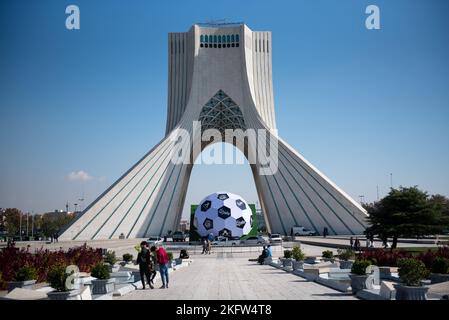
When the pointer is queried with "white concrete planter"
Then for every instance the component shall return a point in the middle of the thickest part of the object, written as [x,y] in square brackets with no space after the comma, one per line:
[438,277]
[287,263]
[346,264]
[358,282]
[297,265]
[384,272]
[410,293]
[114,268]
[64,295]
[20,284]
[103,286]
[310,260]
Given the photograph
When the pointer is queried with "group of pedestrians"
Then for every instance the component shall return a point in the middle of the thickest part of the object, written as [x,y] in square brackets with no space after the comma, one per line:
[355,243]
[207,245]
[150,260]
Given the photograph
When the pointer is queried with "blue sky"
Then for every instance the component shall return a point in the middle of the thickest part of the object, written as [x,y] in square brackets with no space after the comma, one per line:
[359,104]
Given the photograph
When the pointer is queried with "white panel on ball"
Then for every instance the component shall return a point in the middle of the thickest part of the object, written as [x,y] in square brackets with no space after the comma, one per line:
[223,213]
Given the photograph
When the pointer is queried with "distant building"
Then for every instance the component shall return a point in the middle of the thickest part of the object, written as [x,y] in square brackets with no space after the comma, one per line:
[260,220]
[184,225]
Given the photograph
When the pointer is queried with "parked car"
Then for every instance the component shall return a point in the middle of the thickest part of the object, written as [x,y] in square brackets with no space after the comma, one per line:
[223,241]
[154,240]
[179,236]
[275,238]
[302,231]
[254,240]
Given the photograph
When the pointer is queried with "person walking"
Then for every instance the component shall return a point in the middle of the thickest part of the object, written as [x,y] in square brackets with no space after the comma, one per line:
[209,246]
[144,261]
[162,260]
[325,232]
[204,246]
[351,242]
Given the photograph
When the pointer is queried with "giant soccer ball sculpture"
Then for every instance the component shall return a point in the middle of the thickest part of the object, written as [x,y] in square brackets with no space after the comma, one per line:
[223,214]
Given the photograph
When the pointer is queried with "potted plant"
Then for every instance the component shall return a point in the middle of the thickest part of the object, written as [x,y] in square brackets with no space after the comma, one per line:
[328,255]
[103,284]
[298,256]
[57,278]
[111,260]
[127,258]
[287,261]
[440,270]
[346,256]
[411,273]
[170,258]
[24,278]
[358,275]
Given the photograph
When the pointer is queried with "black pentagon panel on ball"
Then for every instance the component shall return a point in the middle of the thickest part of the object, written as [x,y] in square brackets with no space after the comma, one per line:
[224,212]
[208,224]
[240,204]
[240,223]
[251,220]
[206,205]
[222,196]
[225,232]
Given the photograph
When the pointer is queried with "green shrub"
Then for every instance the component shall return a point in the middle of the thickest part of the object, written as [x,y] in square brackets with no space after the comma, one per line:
[26,273]
[297,254]
[412,271]
[359,267]
[346,254]
[327,254]
[110,258]
[170,255]
[127,257]
[100,271]
[57,277]
[440,265]
[287,254]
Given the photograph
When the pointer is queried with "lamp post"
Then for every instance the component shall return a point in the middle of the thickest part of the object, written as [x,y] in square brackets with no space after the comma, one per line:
[362,198]
[20,226]
[32,225]
[391,181]
[28,214]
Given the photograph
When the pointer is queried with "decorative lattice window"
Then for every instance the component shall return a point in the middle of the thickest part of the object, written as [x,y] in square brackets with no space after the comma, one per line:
[221,113]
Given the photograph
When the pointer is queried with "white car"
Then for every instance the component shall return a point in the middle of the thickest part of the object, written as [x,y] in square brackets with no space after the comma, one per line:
[154,241]
[275,238]
[254,240]
[223,241]
[301,231]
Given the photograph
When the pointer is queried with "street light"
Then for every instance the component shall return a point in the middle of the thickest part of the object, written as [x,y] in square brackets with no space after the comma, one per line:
[362,199]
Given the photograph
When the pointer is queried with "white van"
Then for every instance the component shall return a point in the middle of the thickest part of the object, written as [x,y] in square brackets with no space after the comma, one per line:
[302,231]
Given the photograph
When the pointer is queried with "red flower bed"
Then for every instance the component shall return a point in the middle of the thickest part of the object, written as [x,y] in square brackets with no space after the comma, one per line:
[12,258]
[429,256]
[388,258]
[384,258]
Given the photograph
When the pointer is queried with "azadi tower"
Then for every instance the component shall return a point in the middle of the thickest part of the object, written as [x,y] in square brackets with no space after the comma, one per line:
[221,75]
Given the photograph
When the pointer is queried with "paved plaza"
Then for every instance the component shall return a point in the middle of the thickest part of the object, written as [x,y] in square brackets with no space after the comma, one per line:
[224,276]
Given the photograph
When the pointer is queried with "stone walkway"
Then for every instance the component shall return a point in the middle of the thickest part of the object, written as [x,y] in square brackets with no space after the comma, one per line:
[227,277]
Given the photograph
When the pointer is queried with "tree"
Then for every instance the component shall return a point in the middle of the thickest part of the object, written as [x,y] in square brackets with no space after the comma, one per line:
[405,212]
[54,222]
[12,220]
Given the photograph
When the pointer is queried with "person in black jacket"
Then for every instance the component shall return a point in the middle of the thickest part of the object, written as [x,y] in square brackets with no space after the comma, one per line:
[144,262]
